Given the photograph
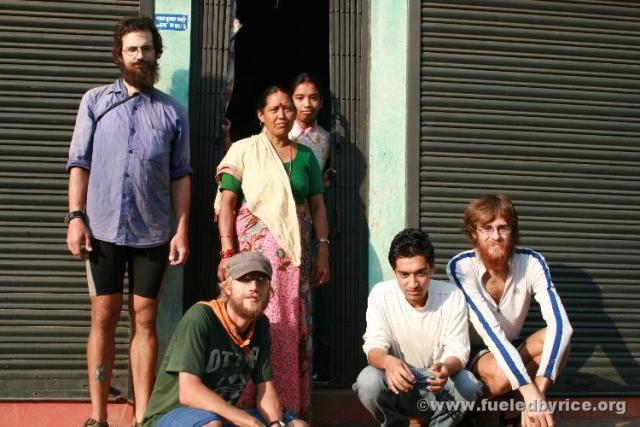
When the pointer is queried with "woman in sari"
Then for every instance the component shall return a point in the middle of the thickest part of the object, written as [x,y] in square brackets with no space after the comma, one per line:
[271,194]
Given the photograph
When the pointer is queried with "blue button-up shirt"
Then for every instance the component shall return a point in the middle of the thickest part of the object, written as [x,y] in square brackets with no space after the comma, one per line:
[133,153]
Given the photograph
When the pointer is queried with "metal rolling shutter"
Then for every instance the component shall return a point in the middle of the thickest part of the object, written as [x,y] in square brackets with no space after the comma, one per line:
[348,287]
[52,52]
[539,99]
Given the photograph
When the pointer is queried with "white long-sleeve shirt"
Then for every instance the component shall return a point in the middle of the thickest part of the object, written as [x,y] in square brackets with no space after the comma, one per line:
[498,324]
[418,336]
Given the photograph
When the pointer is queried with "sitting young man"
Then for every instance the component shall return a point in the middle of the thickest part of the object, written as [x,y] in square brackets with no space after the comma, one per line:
[416,342]
[216,347]
[498,280]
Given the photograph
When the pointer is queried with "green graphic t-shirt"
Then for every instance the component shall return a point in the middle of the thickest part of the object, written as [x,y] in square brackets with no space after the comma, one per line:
[201,346]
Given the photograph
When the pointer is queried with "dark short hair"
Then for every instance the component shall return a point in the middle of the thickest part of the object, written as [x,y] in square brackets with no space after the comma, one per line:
[411,242]
[486,209]
[262,99]
[129,25]
[305,78]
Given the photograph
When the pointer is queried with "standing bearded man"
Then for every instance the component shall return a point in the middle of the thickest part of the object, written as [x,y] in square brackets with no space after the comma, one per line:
[498,280]
[128,164]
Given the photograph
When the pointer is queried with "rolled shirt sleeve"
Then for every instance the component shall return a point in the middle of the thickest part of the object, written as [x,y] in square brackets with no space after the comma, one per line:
[180,153]
[375,335]
[81,147]
[456,333]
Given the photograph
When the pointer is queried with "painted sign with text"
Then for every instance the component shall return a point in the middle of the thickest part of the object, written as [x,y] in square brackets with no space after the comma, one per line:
[166,22]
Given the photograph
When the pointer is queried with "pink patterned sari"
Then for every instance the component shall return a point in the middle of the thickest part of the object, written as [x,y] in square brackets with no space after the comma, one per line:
[289,312]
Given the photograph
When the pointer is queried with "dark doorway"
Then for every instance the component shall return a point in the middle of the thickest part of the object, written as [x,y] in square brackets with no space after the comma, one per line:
[278,40]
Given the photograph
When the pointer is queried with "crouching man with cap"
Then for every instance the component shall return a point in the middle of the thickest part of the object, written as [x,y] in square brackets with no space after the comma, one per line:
[216,347]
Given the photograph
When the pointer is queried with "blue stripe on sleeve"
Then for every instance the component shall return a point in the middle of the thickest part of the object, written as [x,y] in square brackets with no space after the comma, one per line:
[503,351]
[556,311]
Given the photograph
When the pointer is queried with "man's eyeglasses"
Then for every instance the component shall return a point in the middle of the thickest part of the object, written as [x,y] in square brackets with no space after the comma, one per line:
[487,230]
[132,50]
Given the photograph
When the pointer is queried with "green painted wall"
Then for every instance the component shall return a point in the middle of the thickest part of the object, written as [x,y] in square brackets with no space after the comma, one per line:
[387,131]
[174,80]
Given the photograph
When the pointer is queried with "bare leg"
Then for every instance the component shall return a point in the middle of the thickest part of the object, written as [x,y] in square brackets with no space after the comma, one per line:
[143,350]
[105,311]
[490,373]
[531,351]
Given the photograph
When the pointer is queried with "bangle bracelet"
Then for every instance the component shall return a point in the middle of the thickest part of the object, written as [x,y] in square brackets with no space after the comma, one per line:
[323,240]
[227,254]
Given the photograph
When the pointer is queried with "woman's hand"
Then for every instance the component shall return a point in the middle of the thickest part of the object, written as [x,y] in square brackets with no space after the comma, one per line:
[222,269]
[226,222]
[320,274]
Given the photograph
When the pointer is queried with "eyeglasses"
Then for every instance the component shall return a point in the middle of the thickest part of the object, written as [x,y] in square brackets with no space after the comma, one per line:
[488,230]
[132,50]
[259,278]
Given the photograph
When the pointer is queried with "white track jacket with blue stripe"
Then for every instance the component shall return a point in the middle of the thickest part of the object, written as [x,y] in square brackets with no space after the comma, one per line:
[498,324]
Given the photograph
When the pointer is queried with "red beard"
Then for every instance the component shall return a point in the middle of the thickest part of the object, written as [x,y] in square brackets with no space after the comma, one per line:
[497,258]
[142,76]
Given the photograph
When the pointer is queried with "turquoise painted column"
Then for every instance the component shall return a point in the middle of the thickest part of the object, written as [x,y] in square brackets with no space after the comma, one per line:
[174,80]
[387,131]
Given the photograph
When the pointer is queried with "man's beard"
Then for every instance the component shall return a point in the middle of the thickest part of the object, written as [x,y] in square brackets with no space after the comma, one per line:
[239,308]
[493,260]
[141,77]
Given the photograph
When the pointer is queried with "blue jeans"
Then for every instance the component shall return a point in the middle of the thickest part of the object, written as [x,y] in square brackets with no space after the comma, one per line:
[190,417]
[445,408]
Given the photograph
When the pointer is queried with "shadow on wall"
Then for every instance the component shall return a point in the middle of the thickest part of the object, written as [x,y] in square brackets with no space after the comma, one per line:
[349,267]
[206,112]
[170,299]
[179,88]
[601,360]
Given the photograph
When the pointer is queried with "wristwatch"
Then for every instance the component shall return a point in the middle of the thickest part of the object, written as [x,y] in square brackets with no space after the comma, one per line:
[278,423]
[73,215]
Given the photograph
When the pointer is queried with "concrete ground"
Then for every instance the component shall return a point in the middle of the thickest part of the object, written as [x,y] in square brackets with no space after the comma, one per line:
[330,408]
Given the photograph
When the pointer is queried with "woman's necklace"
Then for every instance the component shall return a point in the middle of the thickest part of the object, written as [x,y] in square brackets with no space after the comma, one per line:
[290,158]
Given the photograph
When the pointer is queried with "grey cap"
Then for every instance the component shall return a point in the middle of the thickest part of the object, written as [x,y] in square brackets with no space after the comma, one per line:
[247,262]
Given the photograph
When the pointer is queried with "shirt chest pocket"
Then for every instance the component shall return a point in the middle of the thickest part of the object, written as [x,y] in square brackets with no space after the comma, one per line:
[155,144]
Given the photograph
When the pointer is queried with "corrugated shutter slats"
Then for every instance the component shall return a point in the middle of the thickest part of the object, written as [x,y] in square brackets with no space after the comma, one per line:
[52,52]
[539,100]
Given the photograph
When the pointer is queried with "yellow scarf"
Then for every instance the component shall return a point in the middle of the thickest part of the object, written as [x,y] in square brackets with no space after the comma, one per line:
[267,190]
[220,310]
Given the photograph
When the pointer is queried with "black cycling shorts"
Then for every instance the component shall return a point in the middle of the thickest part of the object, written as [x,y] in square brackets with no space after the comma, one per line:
[108,262]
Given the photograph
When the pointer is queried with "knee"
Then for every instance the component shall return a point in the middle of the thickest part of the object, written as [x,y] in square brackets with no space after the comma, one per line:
[467,385]
[146,324]
[536,346]
[370,383]
[144,319]
[498,385]
[104,318]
